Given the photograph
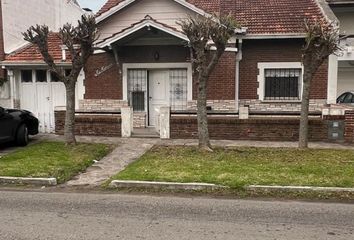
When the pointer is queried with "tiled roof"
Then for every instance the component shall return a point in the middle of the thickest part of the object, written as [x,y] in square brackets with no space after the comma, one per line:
[30,53]
[260,16]
[276,16]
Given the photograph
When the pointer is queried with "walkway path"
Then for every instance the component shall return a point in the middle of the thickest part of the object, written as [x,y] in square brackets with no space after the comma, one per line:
[247,143]
[127,151]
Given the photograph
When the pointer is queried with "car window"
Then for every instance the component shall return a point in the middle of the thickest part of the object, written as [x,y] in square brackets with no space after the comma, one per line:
[348,98]
[340,99]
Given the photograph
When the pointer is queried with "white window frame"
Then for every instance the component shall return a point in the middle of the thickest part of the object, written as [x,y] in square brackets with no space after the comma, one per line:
[262,66]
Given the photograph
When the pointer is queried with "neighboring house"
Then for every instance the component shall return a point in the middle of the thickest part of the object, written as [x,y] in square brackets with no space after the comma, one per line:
[32,91]
[344,11]
[144,63]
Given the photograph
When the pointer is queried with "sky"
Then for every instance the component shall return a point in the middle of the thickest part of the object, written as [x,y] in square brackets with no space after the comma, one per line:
[95,5]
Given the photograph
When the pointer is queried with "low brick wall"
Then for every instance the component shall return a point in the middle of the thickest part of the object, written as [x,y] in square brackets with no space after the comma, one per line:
[349,126]
[91,124]
[232,128]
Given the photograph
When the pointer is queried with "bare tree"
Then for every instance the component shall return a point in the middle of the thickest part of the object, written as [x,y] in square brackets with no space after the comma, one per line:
[204,33]
[79,42]
[322,40]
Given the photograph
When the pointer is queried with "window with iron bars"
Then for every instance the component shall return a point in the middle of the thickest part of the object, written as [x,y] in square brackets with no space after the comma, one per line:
[137,88]
[282,84]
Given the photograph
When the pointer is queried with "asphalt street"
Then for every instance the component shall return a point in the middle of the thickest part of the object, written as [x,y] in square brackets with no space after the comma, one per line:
[33,215]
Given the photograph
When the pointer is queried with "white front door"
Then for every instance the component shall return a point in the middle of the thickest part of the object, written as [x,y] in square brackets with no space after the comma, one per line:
[158,93]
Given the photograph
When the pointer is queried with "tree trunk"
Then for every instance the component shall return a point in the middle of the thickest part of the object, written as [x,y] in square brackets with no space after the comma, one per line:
[203,132]
[304,119]
[69,128]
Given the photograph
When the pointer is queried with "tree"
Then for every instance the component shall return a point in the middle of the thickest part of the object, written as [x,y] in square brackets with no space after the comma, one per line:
[204,33]
[321,41]
[79,42]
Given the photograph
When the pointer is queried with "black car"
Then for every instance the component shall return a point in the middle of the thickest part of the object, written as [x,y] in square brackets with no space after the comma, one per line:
[16,125]
[347,97]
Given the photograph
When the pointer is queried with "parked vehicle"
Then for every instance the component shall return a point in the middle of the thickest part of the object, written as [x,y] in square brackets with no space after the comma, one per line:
[347,97]
[16,125]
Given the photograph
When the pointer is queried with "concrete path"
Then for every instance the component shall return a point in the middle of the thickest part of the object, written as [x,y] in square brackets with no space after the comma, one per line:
[246,143]
[127,151]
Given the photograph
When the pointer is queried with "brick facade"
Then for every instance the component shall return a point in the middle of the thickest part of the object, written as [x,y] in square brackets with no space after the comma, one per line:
[105,105]
[91,124]
[108,84]
[261,129]
[282,50]
[349,126]
[221,83]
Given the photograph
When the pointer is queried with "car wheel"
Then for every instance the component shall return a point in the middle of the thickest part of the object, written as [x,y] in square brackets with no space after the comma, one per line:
[22,135]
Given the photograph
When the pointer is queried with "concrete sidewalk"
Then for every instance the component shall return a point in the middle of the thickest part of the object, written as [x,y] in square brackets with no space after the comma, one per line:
[127,152]
[247,143]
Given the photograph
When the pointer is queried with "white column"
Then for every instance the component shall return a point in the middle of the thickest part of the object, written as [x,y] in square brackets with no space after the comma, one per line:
[165,122]
[10,73]
[332,79]
[127,121]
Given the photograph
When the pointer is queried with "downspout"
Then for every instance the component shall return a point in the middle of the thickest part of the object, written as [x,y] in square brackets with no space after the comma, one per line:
[2,48]
[237,74]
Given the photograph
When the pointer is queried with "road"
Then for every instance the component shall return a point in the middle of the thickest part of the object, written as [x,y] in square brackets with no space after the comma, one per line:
[33,215]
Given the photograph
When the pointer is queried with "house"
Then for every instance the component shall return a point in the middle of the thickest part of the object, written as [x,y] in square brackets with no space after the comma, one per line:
[343,67]
[39,96]
[143,63]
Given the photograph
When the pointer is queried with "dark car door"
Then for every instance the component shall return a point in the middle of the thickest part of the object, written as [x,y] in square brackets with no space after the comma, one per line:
[6,125]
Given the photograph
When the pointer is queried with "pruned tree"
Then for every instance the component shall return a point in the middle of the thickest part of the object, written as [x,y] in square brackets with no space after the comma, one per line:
[322,40]
[203,34]
[79,41]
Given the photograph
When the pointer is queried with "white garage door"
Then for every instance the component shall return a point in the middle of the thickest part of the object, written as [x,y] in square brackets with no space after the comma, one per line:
[40,94]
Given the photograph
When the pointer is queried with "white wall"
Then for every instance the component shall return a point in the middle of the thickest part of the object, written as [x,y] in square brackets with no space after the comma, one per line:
[346,20]
[19,15]
[165,11]
[345,80]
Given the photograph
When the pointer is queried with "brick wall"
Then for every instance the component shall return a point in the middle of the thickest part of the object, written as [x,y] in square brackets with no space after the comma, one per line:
[221,83]
[282,50]
[139,119]
[232,128]
[108,105]
[89,124]
[349,126]
[107,85]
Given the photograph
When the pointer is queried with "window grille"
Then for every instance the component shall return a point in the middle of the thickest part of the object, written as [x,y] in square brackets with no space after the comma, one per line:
[282,84]
[178,89]
[137,88]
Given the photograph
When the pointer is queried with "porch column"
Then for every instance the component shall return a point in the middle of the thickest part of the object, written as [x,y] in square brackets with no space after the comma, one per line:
[10,74]
[127,121]
[332,79]
[165,122]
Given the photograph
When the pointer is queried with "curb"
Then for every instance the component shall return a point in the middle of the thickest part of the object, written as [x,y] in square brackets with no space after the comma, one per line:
[30,181]
[164,185]
[300,189]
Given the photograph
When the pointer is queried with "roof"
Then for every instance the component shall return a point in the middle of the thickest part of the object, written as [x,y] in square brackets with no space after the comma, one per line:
[259,16]
[30,53]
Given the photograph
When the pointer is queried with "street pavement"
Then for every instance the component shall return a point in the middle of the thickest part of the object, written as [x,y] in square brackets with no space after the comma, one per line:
[46,215]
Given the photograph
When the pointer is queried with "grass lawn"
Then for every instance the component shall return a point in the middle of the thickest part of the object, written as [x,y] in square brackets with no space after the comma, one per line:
[52,159]
[237,167]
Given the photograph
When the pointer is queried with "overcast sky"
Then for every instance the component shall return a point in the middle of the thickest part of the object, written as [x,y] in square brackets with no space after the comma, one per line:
[95,5]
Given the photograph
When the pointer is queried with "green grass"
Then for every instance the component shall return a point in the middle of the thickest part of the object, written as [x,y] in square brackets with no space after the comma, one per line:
[237,167]
[52,159]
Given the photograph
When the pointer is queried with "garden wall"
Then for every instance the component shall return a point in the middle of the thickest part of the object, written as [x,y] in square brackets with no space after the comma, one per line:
[262,129]
[91,124]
